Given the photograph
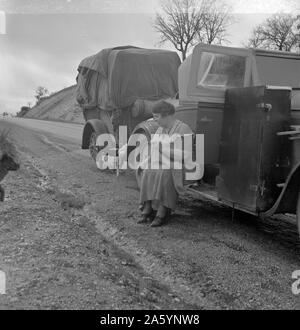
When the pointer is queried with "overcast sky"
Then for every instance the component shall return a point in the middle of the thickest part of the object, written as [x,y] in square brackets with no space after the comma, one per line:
[45,40]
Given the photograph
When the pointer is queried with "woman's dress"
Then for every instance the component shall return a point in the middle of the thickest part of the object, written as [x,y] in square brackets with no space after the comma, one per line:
[163,186]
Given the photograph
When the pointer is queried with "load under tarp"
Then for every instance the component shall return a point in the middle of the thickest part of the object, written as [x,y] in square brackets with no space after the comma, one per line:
[117,77]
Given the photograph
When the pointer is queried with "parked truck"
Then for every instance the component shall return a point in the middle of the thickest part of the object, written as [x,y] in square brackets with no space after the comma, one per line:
[246,102]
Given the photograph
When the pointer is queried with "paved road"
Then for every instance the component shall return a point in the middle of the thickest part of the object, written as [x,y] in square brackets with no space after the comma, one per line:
[71,132]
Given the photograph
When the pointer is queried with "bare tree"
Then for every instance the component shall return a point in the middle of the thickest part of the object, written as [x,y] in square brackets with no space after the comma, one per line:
[298,32]
[279,32]
[41,92]
[186,22]
[217,18]
[257,38]
[179,23]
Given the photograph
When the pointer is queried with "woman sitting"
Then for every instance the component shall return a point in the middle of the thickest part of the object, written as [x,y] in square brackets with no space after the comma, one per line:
[160,186]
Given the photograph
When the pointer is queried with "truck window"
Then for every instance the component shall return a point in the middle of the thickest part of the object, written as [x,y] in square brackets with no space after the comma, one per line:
[221,71]
[278,71]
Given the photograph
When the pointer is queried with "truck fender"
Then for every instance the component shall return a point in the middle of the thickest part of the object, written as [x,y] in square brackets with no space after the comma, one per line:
[92,125]
[287,200]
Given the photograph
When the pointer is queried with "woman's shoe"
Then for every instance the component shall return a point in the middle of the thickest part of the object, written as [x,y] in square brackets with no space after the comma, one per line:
[159,221]
[147,217]
[144,219]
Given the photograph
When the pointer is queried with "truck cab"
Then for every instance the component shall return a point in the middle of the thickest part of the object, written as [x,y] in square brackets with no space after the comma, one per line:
[206,75]
[246,102]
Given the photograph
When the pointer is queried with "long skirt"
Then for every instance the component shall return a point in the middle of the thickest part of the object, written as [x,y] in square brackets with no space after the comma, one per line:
[157,186]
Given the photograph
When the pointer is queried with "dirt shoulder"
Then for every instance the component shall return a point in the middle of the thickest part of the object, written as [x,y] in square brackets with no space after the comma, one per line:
[54,258]
[60,204]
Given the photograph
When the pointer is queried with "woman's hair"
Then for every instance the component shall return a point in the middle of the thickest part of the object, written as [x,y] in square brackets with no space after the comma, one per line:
[164,108]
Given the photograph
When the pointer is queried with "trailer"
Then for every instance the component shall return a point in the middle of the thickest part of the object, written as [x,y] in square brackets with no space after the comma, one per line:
[118,87]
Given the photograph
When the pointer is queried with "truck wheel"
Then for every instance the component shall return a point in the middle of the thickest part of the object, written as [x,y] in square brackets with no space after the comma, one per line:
[139,172]
[138,132]
[298,212]
[94,150]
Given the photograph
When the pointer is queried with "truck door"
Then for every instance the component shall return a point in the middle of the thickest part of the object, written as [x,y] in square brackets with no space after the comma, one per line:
[254,160]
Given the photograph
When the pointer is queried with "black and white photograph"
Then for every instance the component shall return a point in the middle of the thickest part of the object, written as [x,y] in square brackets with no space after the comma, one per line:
[149,158]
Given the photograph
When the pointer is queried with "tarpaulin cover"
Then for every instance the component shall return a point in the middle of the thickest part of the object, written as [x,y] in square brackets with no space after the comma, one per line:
[117,77]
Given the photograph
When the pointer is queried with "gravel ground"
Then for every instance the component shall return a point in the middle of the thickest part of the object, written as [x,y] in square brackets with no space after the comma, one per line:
[69,240]
[54,258]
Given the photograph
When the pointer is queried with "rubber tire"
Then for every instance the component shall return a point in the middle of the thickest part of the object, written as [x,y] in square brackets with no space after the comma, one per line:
[137,172]
[94,150]
[130,148]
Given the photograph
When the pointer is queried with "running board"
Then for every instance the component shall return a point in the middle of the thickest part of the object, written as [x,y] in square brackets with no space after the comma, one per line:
[212,196]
